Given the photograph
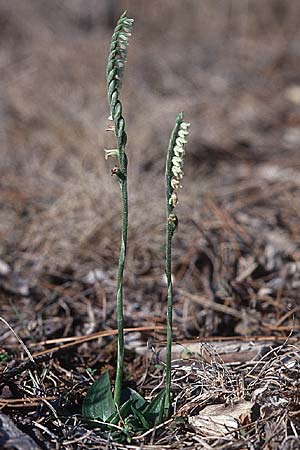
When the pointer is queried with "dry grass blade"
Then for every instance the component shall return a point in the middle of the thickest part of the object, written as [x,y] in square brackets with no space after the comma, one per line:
[18,338]
[77,341]
[235,71]
[24,402]
[211,305]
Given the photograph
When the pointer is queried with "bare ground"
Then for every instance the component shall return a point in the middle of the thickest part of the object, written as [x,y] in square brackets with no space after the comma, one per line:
[233,67]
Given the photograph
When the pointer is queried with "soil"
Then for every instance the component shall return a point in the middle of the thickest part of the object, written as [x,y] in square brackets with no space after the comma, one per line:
[233,68]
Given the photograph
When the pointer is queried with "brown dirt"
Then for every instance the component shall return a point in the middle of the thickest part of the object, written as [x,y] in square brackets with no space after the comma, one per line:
[233,67]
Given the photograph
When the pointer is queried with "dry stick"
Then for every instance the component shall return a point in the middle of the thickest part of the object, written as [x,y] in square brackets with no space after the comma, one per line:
[23,402]
[287,315]
[18,338]
[97,334]
[22,366]
[157,427]
[93,336]
[239,338]
[212,305]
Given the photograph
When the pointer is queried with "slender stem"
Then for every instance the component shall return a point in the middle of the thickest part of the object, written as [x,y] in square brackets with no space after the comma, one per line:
[169,234]
[170,228]
[120,321]
[114,73]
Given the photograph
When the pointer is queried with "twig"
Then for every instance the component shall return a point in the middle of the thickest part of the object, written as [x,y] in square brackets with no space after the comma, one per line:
[211,305]
[18,338]
[93,336]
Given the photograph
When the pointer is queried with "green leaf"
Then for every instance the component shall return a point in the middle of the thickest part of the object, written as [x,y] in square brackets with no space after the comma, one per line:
[159,366]
[141,418]
[91,371]
[179,420]
[99,403]
[130,400]
[154,411]
[136,399]
[123,412]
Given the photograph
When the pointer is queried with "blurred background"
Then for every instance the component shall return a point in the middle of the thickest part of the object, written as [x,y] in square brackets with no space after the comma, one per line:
[233,67]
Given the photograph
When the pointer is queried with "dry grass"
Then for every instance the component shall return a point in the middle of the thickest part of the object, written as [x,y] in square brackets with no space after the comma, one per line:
[232,66]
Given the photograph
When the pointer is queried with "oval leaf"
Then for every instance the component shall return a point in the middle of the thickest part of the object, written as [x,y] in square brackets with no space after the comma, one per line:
[99,403]
[136,399]
[154,412]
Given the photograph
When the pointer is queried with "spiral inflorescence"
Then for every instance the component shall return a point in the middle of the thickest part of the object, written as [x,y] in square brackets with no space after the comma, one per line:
[174,172]
[115,73]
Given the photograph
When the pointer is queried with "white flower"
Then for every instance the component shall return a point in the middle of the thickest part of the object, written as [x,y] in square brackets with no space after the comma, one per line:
[175,183]
[120,63]
[185,126]
[178,150]
[177,161]
[177,172]
[173,200]
[180,141]
[114,152]
[123,46]
[183,133]
[179,154]
[110,127]
[124,36]
[172,219]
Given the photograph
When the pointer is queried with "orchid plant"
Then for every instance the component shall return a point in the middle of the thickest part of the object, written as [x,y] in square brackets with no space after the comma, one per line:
[174,175]
[125,411]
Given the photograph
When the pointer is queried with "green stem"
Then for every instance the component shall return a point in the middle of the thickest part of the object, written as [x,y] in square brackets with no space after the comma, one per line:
[120,320]
[120,353]
[170,229]
[115,72]
[169,234]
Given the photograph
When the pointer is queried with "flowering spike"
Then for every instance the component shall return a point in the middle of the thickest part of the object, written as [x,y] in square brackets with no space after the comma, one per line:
[118,50]
[174,173]
[177,155]
[114,75]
